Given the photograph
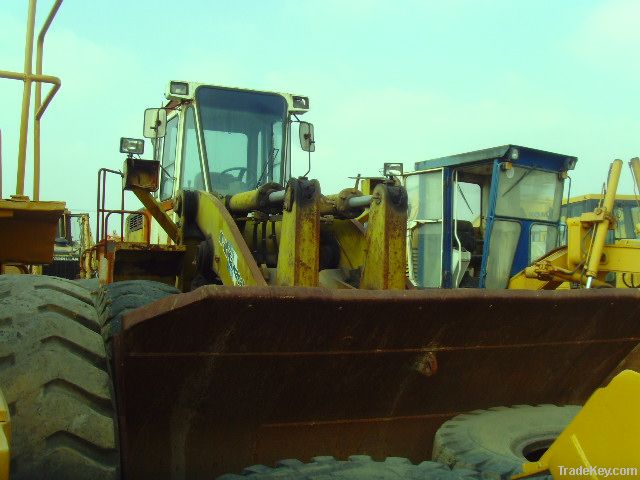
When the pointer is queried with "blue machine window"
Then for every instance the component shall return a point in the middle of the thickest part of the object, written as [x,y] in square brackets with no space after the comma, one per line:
[502,249]
[543,239]
[528,193]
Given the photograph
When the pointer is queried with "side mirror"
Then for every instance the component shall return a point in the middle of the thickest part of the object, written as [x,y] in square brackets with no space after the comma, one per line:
[155,122]
[307,143]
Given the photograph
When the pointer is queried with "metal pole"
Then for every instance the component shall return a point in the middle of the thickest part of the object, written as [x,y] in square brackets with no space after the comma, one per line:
[276,197]
[361,201]
[38,101]
[635,169]
[0,164]
[26,98]
[603,227]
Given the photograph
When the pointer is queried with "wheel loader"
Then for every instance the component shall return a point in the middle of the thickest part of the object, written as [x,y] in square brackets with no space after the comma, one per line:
[244,317]
[296,331]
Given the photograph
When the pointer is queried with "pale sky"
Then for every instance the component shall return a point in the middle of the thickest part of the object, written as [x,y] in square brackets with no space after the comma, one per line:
[400,81]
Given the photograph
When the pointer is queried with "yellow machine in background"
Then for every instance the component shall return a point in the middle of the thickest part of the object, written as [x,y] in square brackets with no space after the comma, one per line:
[587,259]
[626,210]
[73,239]
[28,226]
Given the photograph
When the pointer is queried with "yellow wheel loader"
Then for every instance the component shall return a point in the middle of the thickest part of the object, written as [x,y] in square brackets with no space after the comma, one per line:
[246,318]
[250,318]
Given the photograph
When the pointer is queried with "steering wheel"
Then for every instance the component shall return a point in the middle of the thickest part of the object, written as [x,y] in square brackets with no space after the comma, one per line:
[241,172]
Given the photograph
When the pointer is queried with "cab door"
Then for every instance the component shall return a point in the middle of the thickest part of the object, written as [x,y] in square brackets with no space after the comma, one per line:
[425,227]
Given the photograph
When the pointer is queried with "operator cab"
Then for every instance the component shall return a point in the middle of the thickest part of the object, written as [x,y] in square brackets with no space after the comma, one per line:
[223,140]
[477,218]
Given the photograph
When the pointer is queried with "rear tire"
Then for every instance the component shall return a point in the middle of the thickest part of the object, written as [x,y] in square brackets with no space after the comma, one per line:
[498,441]
[53,375]
[358,467]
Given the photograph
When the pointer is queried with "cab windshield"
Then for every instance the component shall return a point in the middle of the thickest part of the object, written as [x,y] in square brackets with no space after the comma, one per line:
[244,136]
[528,193]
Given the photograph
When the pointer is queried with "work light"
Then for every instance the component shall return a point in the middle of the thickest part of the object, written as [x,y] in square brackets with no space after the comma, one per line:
[179,88]
[301,102]
[131,146]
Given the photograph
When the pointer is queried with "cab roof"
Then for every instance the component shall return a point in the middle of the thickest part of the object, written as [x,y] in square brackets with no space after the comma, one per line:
[297,104]
[517,154]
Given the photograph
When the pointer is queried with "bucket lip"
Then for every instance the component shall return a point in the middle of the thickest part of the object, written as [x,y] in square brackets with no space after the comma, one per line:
[546,299]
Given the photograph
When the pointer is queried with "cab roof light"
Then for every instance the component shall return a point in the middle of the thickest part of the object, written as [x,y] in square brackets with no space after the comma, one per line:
[301,102]
[179,88]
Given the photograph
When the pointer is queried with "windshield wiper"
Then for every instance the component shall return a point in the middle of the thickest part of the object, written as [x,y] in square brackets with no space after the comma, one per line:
[464,198]
[272,156]
[517,181]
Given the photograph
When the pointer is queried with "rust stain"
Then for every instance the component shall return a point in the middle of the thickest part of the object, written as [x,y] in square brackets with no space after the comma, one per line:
[427,365]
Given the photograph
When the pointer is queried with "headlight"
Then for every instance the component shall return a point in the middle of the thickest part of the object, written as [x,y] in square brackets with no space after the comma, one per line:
[131,146]
[301,102]
[179,88]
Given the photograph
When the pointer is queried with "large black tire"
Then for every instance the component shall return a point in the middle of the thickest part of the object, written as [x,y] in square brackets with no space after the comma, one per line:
[496,442]
[53,375]
[116,299]
[358,467]
[90,284]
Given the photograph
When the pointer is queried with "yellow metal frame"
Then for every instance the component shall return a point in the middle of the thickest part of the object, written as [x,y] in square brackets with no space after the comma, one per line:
[28,227]
[605,435]
[28,77]
[385,262]
[27,230]
[595,196]
[232,259]
[5,438]
[299,252]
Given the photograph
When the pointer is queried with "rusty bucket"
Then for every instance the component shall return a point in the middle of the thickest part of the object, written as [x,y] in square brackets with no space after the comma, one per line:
[224,377]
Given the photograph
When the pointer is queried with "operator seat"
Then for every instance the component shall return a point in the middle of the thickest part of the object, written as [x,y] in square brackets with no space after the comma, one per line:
[466,234]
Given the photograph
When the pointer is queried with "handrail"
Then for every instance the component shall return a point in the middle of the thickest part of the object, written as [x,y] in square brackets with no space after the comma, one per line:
[28,77]
[101,200]
[144,213]
[0,164]
[40,107]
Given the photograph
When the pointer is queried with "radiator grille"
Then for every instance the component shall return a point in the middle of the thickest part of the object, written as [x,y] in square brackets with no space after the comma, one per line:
[135,222]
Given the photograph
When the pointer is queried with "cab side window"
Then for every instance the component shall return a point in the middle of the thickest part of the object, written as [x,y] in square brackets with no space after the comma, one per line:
[192,177]
[167,174]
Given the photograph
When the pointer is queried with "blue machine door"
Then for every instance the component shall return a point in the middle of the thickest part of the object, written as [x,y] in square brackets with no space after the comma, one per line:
[523,215]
